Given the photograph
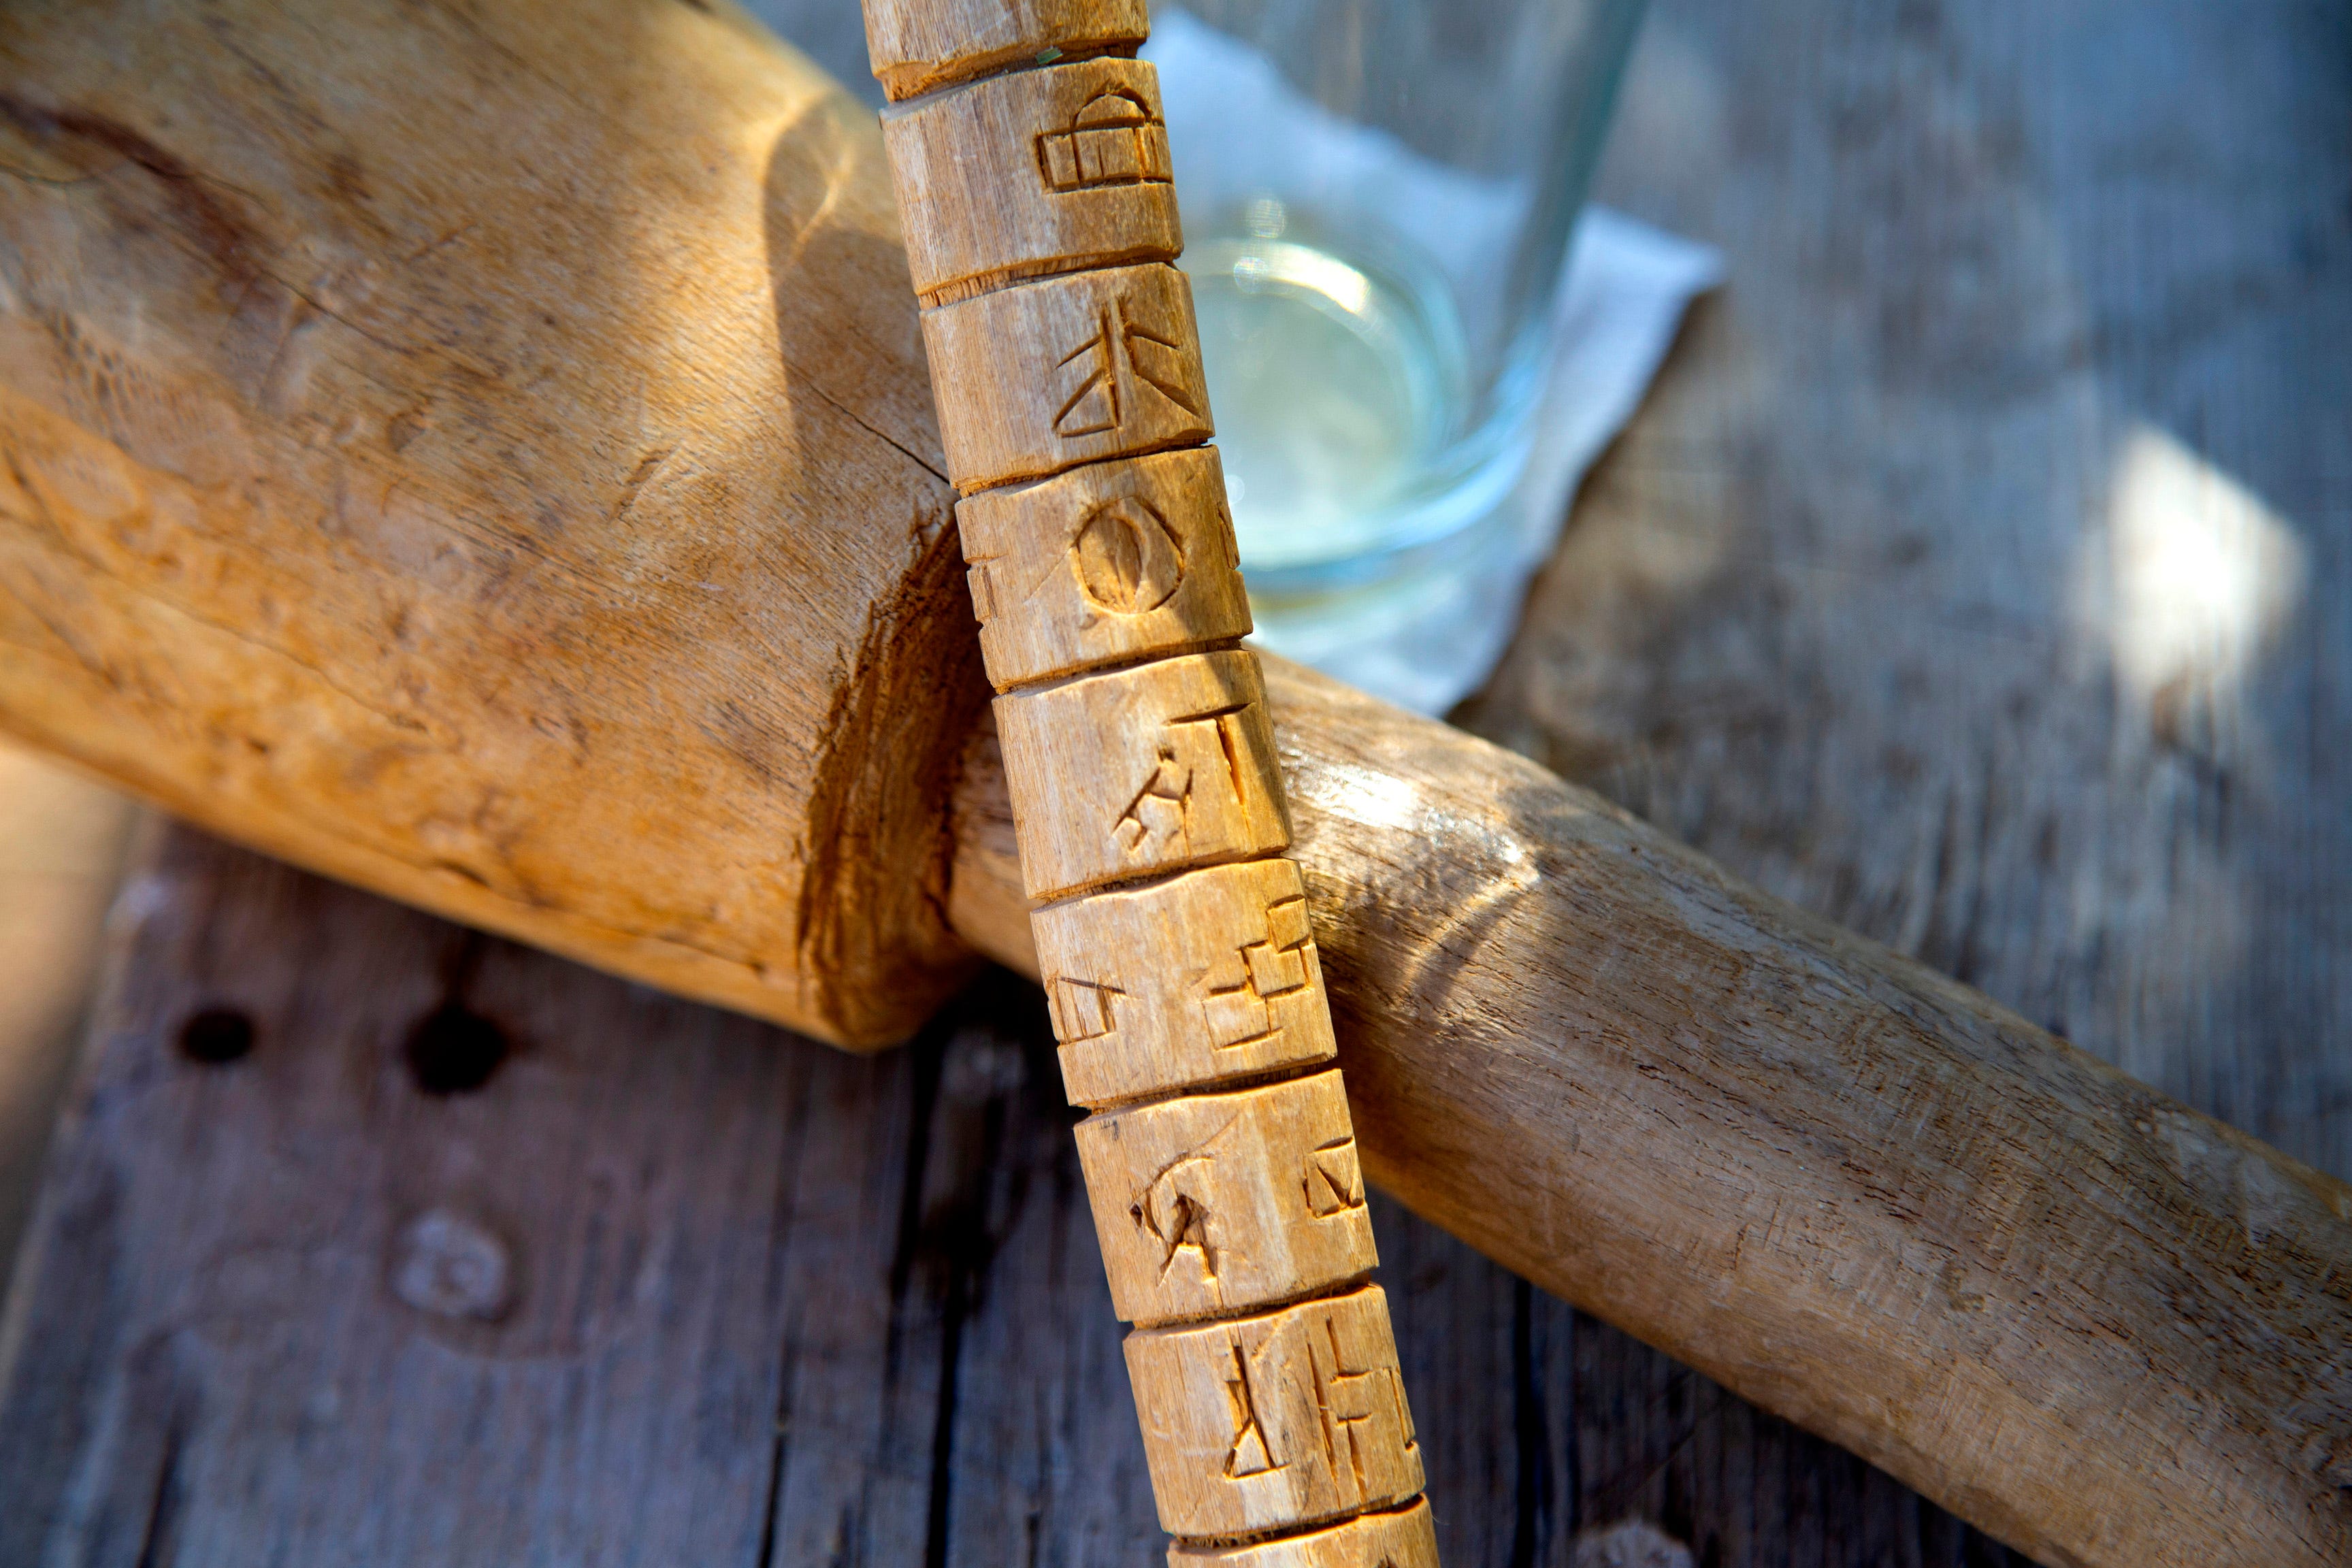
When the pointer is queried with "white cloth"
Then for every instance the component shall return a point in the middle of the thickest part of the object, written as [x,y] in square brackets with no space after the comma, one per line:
[1623,291]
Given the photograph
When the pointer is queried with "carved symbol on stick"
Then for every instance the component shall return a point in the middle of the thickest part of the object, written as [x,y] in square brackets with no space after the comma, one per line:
[1112,140]
[1343,1399]
[1158,813]
[1175,1206]
[983,592]
[1173,1212]
[1120,353]
[1081,1009]
[1251,1454]
[1273,967]
[1333,1180]
[1126,558]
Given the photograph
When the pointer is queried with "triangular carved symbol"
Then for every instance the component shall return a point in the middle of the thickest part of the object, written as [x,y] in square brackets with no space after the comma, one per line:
[1249,1455]
[1335,1182]
[1093,406]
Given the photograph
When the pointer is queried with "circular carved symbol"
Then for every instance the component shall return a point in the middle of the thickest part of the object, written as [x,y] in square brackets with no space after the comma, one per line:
[1126,559]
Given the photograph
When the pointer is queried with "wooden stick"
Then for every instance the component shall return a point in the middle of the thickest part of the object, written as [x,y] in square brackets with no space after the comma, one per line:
[1147,802]
[2097,1324]
[535,513]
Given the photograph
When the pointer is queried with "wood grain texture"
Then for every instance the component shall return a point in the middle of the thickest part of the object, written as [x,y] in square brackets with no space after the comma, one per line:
[1042,376]
[62,848]
[732,1332]
[1207,1207]
[2001,1176]
[392,399]
[1038,172]
[1105,563]
[916,48]
[1820,611]
[1406,1538]
[1135,772]
[2255,1039]
[876,1276]
[1252,1423]
[1209,1204]
[1205,977]
[1708,1154]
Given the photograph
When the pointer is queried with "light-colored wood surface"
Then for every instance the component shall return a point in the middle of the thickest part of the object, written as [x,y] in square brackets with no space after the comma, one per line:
[1252,1423]
[1041,171]
[1139,771]
[916,48]
[1042,376]
[1208,1204]
[2252,1038]
[1774,1093]
[1203,978]
[381,440]
[1107,562]
[1406,1538]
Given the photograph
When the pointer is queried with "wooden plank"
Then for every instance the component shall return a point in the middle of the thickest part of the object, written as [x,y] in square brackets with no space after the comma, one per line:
[1834,609]
[1640,1146]
[292,1307]
[1976,577]
[761,1302]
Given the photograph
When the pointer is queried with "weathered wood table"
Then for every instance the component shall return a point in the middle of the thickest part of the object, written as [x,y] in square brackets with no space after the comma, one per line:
[1977,575]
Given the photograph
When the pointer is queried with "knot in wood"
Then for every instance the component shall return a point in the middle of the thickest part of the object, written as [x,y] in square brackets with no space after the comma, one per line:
[453,1266]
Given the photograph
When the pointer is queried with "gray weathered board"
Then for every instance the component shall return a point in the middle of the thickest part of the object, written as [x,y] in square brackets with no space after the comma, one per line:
[2019,293]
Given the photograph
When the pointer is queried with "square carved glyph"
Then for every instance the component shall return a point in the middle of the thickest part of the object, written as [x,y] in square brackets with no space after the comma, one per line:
[1205,977]
[1223,1203]
[1255,1424]
[1136,771]
[1105,563]
[1035,173]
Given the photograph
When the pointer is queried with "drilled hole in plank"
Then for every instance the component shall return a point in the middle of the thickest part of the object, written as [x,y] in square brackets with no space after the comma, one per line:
[453,1050]
[217,1036]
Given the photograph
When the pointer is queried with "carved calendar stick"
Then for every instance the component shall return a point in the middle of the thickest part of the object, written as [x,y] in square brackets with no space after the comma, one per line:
[1033,183]
[416,469]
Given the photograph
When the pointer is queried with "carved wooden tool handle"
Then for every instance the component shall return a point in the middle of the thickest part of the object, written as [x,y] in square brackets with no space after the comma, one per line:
[1033,178]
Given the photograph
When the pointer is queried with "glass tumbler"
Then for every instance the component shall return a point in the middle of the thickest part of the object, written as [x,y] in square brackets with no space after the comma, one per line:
[1378,198]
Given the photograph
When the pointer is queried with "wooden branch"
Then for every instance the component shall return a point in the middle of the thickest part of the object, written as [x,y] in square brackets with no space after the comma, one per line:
[2097,1324]
[1147,804]
[529,508]
[420,470]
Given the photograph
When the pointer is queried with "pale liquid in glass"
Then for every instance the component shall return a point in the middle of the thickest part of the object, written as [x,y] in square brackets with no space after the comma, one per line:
[1335,381]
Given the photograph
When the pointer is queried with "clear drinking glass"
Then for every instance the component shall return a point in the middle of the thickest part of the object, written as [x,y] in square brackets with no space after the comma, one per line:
[1377,197]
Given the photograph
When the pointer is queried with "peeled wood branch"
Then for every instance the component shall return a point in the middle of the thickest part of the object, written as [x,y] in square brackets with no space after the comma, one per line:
[488,459]
[1146,801]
